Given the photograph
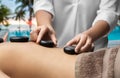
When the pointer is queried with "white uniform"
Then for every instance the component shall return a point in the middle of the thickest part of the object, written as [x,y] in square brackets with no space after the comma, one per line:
[72,17]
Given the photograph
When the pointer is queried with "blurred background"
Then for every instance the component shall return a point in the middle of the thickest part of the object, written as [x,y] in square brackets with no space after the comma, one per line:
[17,18]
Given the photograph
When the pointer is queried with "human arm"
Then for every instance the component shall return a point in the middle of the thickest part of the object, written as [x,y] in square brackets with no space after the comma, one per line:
[104,22]
[86,39]
[44,16]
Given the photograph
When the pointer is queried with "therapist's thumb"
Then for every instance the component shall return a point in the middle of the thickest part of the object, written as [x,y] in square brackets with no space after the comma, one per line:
[53,38]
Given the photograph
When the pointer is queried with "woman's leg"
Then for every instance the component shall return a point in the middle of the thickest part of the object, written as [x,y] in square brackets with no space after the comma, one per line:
[29,60]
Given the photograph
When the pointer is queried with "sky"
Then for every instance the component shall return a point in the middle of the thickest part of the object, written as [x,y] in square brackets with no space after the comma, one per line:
[10,3]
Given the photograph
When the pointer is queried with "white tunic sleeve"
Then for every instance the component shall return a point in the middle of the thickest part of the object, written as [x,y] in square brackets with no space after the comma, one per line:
[108,12]
[43,5]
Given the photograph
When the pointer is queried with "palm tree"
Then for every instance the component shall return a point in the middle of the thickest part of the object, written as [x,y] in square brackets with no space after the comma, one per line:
[25,6]
[4,12]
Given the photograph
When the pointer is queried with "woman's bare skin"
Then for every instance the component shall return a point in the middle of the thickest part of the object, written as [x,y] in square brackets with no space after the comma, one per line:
[30,60]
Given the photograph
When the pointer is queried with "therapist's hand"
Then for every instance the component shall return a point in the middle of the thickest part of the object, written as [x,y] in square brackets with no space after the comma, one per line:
[45,32]
[83,43]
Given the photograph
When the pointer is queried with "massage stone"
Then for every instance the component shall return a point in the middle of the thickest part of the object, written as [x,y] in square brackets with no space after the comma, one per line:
[19,39]
[1,40]
[69,50]
[47,43]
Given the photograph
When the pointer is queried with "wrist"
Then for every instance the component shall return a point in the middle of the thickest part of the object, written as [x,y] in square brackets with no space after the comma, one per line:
[100,29]
[43,18]
[44,24]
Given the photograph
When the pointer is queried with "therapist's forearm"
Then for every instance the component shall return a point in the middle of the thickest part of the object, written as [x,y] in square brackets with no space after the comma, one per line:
[98,30]
[43,17]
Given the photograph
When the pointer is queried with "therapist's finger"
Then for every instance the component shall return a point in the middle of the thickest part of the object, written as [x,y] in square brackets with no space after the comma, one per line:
[34,34]
[53,38]
[41,33]
[52,35]
[81,43]
[75,40]
[87,46]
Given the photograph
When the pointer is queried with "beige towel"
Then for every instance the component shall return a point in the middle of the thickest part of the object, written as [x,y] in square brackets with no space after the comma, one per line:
[98,64]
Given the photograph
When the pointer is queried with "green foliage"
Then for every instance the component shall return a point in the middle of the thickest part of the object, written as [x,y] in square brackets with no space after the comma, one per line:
[25,6]
[4,12]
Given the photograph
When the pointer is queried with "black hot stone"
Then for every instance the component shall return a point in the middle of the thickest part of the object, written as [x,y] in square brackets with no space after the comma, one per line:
[69,49]
[1,40]
[19,39]
[46,43]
